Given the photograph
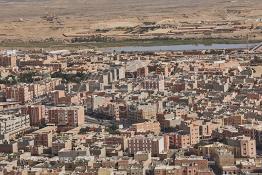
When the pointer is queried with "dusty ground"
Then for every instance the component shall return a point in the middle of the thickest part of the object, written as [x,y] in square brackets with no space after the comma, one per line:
[21,19]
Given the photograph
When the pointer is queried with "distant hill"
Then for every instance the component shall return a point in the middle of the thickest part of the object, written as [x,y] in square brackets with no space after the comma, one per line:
[113,8]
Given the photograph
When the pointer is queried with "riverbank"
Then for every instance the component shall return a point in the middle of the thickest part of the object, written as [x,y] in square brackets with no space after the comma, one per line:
[123,43]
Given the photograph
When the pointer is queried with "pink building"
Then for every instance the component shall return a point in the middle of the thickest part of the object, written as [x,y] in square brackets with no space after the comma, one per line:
[19,93]
[180,140]
[36,114]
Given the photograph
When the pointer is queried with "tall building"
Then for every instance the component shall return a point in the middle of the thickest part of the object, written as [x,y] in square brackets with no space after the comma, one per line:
[157,84]
[180,139]
[193,129]
[7,61]
[72,116]
[19,93]
[44,136]
[36,113]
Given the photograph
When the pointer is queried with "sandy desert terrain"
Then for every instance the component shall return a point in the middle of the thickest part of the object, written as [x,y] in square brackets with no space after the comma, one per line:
[23,19]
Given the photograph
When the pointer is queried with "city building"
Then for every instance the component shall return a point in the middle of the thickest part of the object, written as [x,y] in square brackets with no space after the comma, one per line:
[72,116]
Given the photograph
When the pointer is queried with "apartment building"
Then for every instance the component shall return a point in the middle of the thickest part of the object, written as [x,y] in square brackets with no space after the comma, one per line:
[168,170]
[72,116]
[8,105]
[180,139]
[146,127]
[12,124]
[153,144]
[156,84]
[7,61]
[116,140]
[206,129]
[44,136]
[56,95]
[234,120]
[192,127]
[139,113]
[244,146]
[253,131]
[192,160]
[36,114]
[180,170]
[109,110]
[8,147]
[18,93]
[163,70]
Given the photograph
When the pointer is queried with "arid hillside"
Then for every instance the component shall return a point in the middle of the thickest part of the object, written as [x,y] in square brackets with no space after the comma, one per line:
[28,19]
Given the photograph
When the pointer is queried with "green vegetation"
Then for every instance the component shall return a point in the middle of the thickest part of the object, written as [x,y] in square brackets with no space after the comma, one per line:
[26,77]
[29,77]
[149,23]
[73,78]
[168,129]
[112,129]
[9,80]
[84,130]
[30,44]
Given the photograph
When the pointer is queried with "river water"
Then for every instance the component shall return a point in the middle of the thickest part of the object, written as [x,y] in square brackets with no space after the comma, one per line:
[186,47]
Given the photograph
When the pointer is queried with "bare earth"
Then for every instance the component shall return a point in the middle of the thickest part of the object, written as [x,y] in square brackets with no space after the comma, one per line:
[22,19]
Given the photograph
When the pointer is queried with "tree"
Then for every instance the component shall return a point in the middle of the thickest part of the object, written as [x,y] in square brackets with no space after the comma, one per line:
[112,129]
[27,77]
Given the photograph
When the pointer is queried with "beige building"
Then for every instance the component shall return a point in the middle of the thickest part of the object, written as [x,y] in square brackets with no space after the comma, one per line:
[152,144]
[180,140]
[234,120]
[146,127]
[116,140]
[244,146]
[192,127]
[8,105]
[168,170]
[131,114]
[7,61]
[44,136]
